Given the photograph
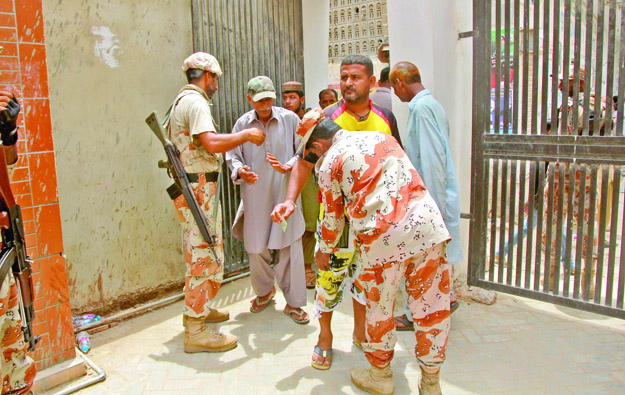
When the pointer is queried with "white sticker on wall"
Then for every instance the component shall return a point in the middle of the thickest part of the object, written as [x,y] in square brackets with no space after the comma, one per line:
[106,46]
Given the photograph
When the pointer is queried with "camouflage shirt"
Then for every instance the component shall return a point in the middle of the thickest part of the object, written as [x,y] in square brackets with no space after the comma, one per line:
[392,216]
[190,117]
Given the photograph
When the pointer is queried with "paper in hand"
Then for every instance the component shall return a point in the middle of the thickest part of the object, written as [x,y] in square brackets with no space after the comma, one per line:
[283,225]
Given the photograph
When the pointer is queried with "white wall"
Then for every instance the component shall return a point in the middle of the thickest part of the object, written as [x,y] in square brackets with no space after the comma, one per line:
[110,63]
[426,34]
[316,25]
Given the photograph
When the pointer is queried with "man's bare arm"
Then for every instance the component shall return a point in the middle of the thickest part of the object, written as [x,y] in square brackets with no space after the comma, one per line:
[299,175]
[220,143]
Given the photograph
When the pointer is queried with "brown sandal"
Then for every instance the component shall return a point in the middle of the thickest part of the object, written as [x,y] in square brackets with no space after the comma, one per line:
[311,279]
[257,305]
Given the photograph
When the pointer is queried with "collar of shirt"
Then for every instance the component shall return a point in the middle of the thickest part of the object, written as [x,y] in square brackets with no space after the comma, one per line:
[197,89]
[273,116]
[418,96]
[384,89]
[343,107]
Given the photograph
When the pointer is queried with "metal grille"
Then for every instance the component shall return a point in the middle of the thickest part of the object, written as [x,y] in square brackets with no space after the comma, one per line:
[548,151]
[249,38]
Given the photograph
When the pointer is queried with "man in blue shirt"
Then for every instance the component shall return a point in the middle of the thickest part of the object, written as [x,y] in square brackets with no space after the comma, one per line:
[426,143]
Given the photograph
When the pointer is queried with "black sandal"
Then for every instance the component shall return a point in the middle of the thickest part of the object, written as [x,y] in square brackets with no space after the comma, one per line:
[402,323]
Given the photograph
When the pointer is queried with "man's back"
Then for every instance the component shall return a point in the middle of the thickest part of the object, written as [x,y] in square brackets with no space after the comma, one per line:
[427,146]
[391,213]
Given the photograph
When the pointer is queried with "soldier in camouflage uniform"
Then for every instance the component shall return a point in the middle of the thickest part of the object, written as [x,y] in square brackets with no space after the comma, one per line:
[192,130]
[581,197]
[400,236]
[17,368]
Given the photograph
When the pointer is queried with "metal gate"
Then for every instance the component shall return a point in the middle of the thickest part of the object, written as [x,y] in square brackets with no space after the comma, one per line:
[249,38]
[547,178]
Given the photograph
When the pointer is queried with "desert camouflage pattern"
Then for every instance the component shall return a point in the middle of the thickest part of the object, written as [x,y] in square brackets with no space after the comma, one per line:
[427,283]
[573,185]
[18,369]
[398,231]
[204,273]
[202,61]
[581,204]
[392,216]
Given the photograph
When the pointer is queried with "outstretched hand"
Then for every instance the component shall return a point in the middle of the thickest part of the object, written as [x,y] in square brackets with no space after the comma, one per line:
[282,211]
[275,163]
[255,136]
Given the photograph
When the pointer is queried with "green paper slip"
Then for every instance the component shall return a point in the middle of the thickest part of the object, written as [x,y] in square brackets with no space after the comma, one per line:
[283,225]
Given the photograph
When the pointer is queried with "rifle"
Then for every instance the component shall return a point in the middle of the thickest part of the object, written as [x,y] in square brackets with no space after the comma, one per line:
[13,254]
[181,183]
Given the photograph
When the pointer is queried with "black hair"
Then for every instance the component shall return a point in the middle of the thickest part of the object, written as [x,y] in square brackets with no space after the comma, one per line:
[359,59]
[194,74]
[299,93]
[326,129]
[336,95]
[384,74]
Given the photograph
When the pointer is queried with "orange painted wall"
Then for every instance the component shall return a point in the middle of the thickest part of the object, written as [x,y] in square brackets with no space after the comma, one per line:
[23,70]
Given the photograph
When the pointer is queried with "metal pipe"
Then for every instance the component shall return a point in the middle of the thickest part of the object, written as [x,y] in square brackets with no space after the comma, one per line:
[139,310]
[78,386]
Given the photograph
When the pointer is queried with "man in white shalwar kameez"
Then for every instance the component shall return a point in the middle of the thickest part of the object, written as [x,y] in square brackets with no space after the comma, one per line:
[263,174]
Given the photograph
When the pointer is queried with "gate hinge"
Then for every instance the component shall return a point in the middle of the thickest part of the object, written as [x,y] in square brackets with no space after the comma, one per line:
[469,34]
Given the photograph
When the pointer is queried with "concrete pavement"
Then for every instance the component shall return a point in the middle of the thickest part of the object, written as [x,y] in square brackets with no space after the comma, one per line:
[516,345]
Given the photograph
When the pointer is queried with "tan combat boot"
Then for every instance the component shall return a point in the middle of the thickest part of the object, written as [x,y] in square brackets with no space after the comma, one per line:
[430,383]
[214,316]
[375,381]
[200,338]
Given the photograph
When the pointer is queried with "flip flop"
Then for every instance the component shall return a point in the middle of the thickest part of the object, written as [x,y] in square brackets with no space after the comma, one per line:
[402,323]
[297,315]
[454,306]
[325,354]
[356,342]
[311,279]
[257,307]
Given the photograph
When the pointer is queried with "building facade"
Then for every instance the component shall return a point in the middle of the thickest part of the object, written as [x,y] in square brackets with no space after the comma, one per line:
[356,27]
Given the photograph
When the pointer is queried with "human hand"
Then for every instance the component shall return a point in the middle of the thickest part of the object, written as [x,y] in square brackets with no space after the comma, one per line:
[9,111]
[255,136]
[247,175]
[277,166]
[282,211]
[322,260]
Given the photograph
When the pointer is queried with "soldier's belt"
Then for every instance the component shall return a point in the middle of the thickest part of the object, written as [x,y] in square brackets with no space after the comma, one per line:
[174,189]
[210,177]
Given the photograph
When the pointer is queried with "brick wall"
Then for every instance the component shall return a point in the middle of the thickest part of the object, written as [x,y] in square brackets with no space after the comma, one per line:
[23,70]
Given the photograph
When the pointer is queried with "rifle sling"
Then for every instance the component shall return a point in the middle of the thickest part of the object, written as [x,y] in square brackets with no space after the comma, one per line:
[6,261]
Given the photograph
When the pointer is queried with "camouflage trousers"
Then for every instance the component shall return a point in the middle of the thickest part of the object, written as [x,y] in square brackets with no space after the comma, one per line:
[581,206]
[204,273]
[18,369]
[427,284]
